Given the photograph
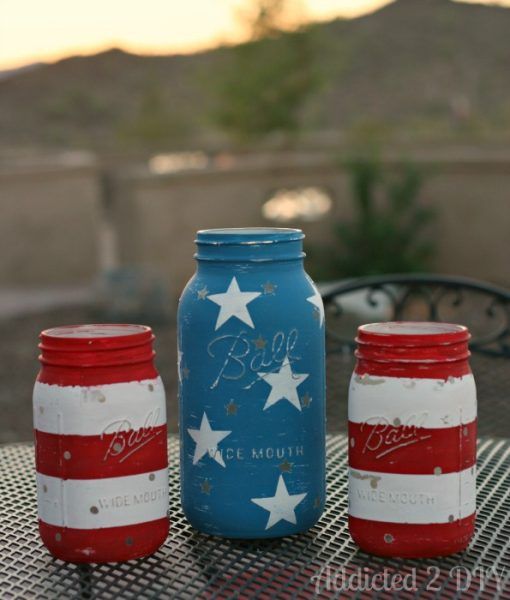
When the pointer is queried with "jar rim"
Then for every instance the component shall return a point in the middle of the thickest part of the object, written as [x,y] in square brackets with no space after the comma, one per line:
[245,236]
[412,333]
[97,336]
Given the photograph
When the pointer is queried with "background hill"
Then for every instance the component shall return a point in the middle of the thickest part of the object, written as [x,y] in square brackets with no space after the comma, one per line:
[416,66]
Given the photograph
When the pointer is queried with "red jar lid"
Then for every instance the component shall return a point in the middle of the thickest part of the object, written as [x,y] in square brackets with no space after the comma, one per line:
[412,333]
[413,348]
[106,351]
[95,337]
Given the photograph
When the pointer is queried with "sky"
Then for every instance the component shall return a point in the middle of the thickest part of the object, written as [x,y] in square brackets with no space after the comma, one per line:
[46,30]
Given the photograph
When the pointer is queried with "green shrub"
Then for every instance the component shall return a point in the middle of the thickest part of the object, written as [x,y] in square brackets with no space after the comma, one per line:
[387,233]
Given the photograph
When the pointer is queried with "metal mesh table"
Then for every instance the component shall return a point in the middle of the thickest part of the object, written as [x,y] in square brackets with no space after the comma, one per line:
[319,562]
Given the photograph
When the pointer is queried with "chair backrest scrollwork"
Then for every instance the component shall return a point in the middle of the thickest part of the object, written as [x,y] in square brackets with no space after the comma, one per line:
[483,307]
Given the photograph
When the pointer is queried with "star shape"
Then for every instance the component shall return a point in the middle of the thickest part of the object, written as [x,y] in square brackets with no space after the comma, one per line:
[260,343]
[284,385]
[205,487]
[269,288]
[281,506]
[316,300]
[207,441]
[202,294]
[231,408]
[306,400]
[286,466]
[233,303]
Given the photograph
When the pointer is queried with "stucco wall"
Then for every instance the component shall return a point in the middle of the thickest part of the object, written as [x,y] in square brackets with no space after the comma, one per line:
[53,222]
[472,199]
[49,226]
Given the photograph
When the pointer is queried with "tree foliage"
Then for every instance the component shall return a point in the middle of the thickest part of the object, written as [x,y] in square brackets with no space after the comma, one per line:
[267,80]
[153,125]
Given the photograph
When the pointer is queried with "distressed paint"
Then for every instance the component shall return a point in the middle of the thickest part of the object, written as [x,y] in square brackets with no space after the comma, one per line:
[101,452]
[109,502]
[393,539]
[98,410]
[389,448]
[404,498]
[434,402]
[252,413]
[412,440]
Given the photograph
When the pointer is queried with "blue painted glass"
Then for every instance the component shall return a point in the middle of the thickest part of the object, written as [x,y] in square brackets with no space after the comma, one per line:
[251,365]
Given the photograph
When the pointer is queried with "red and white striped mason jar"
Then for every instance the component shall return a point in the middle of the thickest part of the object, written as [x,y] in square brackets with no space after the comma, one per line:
[101,453]
[412,440]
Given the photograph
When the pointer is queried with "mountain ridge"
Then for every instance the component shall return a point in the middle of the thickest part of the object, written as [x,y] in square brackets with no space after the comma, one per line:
[413,65]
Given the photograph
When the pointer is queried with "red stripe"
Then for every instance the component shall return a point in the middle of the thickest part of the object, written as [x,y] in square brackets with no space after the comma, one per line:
[443,353]
[110,544]
[416,370]
[86,376]
[410,540]
[387,448]
[94,456]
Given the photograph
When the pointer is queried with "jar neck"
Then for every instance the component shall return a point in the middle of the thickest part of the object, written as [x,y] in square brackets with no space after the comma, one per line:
[96,354]
[93,376]
[250,245]
[413,350]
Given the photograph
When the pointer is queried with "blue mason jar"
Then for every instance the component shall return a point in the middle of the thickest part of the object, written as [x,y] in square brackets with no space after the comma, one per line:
[251,366]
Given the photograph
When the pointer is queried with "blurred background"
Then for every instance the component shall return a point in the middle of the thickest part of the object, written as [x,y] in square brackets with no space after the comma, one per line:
[381,128]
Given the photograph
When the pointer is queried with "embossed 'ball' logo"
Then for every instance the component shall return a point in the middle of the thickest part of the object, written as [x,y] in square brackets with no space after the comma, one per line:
[385,437]
[125,440]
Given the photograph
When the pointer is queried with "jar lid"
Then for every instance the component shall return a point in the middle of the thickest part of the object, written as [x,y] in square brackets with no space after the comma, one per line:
[413,349]
[95,337]
[249,244]
[412,334]
[96,354]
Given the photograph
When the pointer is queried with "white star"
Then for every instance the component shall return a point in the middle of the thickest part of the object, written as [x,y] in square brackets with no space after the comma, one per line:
[233,303]
[316,300]
[207,441]
[284,385]
[280,506]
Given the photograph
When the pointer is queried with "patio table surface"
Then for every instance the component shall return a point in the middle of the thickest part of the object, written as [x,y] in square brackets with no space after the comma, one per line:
[194,565]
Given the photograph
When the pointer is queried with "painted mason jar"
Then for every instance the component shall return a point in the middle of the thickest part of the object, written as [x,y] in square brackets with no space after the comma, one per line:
[412,440]
[101,453]
[251,372]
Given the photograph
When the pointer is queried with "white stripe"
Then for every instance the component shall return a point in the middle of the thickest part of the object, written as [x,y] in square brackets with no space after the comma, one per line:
[114,501]
[432,403]
[395,498]
[99,409]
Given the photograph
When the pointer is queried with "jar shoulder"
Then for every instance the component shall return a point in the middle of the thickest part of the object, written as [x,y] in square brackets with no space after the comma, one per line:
[202,284]
[251,297]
